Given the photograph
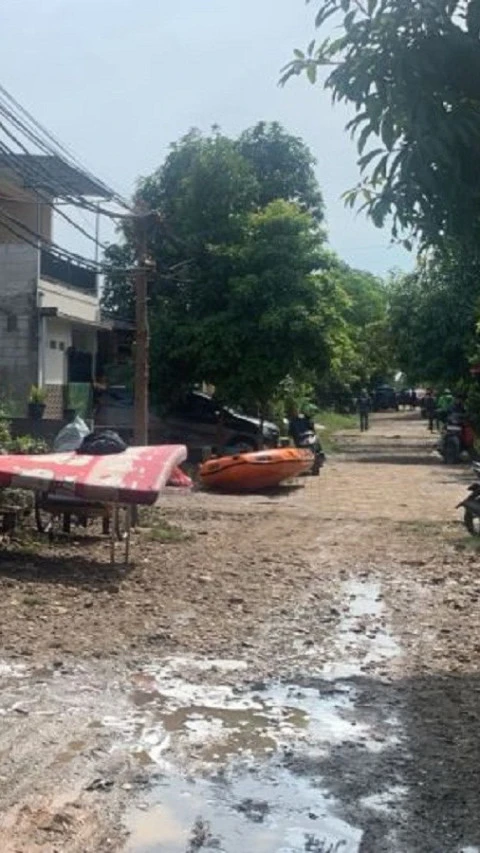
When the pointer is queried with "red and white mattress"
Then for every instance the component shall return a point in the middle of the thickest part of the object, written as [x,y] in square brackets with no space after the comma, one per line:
[136,476]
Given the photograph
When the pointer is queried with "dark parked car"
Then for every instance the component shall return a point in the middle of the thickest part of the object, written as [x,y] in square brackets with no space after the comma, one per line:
[384,398]
[194,421]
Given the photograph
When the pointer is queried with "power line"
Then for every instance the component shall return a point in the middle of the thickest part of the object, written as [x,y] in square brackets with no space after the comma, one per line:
[32,137]
[21,168]
[29,167]
[47,152]
[36,239]
[17,233]
[53,143]
[60,255]
[26,168]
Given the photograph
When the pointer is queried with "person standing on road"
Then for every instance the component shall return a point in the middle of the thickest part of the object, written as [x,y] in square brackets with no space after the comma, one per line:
[429,406]
[444,403]
[297,425]
[364,407]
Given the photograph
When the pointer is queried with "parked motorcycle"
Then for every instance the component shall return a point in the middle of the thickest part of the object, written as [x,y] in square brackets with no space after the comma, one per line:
[309,441]
[457,438]
[471,504]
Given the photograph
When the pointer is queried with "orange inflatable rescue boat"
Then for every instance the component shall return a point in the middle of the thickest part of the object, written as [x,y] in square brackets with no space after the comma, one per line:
[248,472]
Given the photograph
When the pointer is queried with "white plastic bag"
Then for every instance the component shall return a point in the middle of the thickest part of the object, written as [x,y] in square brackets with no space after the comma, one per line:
[71,436]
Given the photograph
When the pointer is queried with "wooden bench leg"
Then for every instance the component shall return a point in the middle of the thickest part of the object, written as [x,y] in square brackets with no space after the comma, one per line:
[128,530]
[113,533]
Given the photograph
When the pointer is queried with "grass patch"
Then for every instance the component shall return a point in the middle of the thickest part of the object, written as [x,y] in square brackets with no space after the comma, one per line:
[163,531]
[468,543]
[333,423]
[33,600]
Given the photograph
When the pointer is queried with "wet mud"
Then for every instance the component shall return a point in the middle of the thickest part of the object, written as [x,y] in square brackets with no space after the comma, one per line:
[301,673]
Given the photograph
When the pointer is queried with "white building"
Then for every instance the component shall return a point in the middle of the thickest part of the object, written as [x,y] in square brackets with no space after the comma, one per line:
[50,323]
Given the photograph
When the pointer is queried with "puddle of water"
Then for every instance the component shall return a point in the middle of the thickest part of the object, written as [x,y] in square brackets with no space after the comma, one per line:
[12,670]
[237,743]
[362,641]
[364,598]
[176,719]
[385,801]
[363,638]
[270,813]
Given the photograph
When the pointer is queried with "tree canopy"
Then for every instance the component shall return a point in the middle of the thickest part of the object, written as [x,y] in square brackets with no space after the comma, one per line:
[246,292]
[411,70]
[238,299]
[273,314]
[433,318]
[283,167]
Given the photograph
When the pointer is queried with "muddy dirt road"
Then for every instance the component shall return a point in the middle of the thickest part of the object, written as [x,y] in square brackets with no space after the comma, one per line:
[286,673]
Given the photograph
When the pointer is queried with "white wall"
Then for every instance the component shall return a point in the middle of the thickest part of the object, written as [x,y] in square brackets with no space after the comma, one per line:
[68,300]
[58,340]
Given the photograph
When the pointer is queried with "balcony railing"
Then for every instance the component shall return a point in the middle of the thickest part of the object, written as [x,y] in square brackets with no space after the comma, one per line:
[65,272]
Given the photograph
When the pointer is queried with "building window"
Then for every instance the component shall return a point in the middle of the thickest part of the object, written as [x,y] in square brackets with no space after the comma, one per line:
[61,346]
[53,345]
[12,324]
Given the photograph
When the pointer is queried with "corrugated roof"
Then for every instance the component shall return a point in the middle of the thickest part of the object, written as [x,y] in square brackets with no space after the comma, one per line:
[53,175]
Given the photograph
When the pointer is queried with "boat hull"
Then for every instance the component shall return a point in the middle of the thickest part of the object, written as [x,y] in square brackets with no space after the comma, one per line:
[249,472]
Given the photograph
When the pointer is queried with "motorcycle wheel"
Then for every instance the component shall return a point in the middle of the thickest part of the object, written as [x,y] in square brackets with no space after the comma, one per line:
[472,522]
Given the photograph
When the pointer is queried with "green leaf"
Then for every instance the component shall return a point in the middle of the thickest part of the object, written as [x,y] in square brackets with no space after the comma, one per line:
[380,171]
[388,132]
[312,72]
[324,13]
[352,124]
[349,20]
[363,138]
[378,211]
[367,158]
[311,47]
[299,54]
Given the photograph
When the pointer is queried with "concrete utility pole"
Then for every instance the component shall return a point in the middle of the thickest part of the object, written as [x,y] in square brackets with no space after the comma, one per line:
[142,342]
[142,336]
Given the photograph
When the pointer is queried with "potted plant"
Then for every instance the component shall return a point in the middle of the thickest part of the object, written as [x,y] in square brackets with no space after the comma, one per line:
[36,403]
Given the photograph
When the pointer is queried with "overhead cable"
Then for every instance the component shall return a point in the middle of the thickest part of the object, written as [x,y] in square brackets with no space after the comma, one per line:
[54,146]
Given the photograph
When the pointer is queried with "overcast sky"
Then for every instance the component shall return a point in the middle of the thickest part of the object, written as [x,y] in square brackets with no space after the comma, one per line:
[118,80]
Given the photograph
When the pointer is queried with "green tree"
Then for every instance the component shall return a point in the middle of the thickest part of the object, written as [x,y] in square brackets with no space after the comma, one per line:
[366,318]
[283,166]
[411,70]
[237,297]
[277,318]
[367,296]
[117,294]
[363,354]
[202,190]
[433,319]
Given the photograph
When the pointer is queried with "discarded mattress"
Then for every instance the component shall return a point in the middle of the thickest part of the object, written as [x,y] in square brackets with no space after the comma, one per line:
[136,476]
